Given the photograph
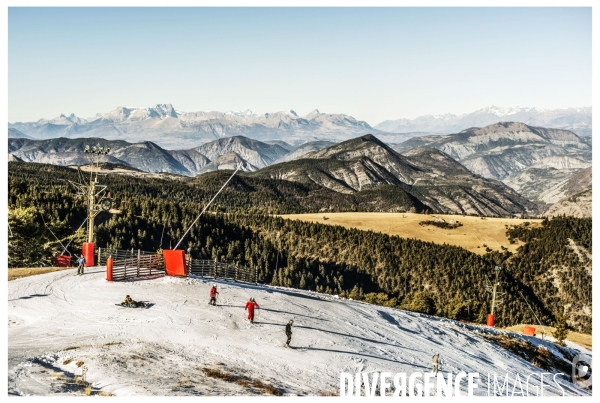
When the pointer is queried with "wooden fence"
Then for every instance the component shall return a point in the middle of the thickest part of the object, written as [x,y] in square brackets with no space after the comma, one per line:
[132,264]
[220,270]
[137,263]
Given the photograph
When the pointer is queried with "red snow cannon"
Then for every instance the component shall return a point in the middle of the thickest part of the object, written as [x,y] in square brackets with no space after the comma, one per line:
[175,262]
[88,253]
[109,268]
[529,331]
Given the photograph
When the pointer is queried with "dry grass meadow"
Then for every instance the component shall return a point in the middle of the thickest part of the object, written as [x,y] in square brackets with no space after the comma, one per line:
[16,273]
[475,234]
[584,340]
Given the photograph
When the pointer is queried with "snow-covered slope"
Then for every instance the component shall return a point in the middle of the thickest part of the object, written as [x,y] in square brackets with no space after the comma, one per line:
[58,319]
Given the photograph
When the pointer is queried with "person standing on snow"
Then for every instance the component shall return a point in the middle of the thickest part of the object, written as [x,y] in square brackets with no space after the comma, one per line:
[436,361]
[250,305]
[288,332]
[213,295]
[81,262]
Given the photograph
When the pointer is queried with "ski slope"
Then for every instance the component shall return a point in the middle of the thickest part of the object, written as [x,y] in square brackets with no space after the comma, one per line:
[57,319]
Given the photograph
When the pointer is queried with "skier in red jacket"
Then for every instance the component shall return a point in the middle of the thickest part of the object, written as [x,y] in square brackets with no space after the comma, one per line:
[213,295]
[250,305]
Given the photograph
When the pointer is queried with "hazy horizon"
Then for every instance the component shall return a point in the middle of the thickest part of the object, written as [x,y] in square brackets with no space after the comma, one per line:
[296,111]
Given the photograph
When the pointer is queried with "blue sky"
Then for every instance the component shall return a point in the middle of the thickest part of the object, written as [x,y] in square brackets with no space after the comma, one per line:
[371,63]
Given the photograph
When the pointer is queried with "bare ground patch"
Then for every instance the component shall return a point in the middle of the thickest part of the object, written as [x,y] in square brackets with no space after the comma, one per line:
[244,381]
[20,272]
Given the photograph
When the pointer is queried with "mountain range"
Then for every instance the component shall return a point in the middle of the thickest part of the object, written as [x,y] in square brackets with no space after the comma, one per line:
[577,120]
[528,159]
[533,161]
[427,174]
[225,153]
[167,127]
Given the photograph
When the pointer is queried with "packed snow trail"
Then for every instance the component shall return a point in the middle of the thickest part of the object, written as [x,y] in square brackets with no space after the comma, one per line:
[57,319]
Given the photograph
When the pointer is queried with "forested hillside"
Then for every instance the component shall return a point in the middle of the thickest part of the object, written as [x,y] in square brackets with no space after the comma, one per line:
[436,279]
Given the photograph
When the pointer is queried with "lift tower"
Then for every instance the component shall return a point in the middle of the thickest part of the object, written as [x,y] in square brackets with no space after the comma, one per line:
[95,196]
[493,289]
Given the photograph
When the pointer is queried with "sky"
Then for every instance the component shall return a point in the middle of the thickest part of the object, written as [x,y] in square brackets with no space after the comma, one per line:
[371,63]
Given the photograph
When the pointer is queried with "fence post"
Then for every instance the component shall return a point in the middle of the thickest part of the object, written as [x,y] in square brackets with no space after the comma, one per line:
[215,270]
[137,273]
[100,256]
[109,269]
[256,275]
[235,278]
[125,269]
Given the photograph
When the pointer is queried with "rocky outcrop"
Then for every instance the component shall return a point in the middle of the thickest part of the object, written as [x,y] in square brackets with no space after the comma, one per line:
[545,182]
[254,152]
[229,161]
[579,205]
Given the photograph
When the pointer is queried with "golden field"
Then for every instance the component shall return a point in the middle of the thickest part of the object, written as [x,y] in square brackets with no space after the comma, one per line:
[583,339]
[474,235]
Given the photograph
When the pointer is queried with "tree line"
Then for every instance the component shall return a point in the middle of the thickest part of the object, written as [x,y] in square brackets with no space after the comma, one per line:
[442,280]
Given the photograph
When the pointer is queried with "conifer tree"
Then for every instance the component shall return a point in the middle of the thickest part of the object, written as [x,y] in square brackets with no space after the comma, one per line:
[422,302]
[482,316]
[561,331]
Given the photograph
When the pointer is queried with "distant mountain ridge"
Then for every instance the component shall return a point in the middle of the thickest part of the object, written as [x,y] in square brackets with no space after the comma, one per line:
[148,156]
[535,162]
[167,127]
[14,133]
[577,120]
[506,150]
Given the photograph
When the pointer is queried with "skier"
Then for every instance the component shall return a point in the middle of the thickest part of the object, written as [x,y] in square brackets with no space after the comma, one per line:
[436,362]
[130,303]
[250,305]
[81,262]
[213,295]
[288,332]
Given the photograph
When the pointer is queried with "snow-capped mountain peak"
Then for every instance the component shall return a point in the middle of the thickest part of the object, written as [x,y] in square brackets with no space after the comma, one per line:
[166,126]
[312,114]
